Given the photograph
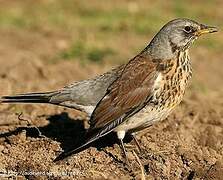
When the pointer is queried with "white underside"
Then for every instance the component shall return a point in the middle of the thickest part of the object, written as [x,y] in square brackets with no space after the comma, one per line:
[145,117]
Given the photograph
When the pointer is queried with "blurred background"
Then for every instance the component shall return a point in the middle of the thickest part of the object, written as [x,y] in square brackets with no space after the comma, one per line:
[56,42]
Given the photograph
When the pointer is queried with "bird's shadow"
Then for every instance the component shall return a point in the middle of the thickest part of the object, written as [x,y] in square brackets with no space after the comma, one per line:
[69,132]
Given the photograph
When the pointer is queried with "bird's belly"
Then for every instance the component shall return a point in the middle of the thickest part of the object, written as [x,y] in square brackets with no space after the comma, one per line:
[145,117]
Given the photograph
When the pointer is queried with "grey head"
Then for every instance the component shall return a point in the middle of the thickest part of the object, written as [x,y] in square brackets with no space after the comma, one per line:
[176,35]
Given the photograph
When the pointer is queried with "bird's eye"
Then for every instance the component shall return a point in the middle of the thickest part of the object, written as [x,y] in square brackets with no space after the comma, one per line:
[188,29]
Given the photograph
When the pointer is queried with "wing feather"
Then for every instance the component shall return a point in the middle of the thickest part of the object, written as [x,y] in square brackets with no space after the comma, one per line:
[127,93]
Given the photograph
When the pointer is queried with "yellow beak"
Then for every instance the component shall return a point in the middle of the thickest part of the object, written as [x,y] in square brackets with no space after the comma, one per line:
[206,29]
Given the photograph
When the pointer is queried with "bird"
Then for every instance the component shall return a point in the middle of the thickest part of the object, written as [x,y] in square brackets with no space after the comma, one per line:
[133,96]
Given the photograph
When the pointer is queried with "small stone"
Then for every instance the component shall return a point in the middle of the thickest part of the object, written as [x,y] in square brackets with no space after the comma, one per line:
[5,151]
[2,148]
[131,156]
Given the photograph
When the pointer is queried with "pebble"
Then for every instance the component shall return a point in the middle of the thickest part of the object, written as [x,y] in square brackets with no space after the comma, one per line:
[1,148]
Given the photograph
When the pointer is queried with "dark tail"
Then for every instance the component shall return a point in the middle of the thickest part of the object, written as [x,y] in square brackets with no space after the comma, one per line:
[29,98]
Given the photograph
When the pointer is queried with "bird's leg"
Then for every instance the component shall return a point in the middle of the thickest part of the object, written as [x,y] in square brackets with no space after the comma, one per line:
[124,152]
[136,142]
[121,135]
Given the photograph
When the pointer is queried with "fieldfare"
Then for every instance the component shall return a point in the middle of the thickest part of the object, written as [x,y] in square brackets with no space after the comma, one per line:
[135,95]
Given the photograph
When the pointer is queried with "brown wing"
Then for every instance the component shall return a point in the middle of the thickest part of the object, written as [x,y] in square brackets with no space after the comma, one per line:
[126,94]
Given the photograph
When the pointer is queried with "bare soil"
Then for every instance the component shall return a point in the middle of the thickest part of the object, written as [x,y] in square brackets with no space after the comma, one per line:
[187,145]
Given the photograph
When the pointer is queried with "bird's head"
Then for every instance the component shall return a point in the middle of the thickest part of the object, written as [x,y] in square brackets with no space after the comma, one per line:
[178,35]
[181,33]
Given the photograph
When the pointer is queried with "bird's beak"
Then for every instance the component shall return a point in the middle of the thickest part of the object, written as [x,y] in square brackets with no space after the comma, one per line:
[205,29]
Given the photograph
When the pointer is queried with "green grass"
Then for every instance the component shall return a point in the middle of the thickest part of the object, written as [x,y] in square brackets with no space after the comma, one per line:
[68,13]
[105,20]
[12,20]
[83,52]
